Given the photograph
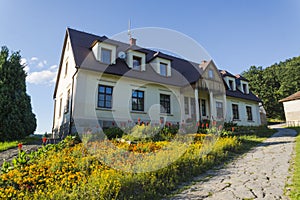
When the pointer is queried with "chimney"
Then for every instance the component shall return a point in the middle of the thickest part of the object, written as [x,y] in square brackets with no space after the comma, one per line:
[203,62]
[132,41]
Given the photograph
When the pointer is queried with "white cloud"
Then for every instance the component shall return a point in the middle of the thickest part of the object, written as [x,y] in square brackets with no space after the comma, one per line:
[54,67]
[40,65]
[23,61]
[34,59]
[26,69]
[45,77]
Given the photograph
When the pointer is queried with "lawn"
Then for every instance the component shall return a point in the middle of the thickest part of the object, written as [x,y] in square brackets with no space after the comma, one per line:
[12,144]
[295,185]
[115,169]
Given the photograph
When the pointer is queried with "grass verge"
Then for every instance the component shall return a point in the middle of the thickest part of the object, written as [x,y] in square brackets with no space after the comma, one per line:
[295,185]
[12,144]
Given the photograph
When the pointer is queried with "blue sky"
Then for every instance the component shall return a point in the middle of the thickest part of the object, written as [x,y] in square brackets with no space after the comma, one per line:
[236,33]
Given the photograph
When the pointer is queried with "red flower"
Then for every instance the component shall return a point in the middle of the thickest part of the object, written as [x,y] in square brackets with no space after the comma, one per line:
[20,145]
[198,124]
[202,125]
[207,125]
[232,129]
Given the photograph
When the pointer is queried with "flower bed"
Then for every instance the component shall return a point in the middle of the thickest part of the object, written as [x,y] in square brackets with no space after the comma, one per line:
[112,170]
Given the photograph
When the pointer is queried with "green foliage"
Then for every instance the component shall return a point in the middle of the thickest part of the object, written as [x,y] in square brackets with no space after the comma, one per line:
[274,83]
[17,119]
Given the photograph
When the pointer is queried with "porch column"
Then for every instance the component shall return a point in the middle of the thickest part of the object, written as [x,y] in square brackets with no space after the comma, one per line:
[224,107]
[211,104]
[197,103]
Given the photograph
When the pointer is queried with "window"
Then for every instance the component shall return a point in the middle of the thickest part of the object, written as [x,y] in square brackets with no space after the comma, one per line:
[210,73]
[219,106]
[249,113]
[203,107]
[67,102]
[186,105]
[245,88]
[106,56]
[165,103]
[66,69]
[163,69]
[136,62]
[60,105]
[235,111]
[138,100]
[105,96]
[231,84]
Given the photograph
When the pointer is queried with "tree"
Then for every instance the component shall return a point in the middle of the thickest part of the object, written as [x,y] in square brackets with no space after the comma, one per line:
[16,117]
[274,83]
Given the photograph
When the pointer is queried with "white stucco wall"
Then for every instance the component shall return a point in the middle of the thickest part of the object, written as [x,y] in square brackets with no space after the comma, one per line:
[242,112]
[292,111]
[65,82]
[87,114]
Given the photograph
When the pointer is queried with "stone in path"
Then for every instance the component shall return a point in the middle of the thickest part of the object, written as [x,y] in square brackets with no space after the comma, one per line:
[259,174]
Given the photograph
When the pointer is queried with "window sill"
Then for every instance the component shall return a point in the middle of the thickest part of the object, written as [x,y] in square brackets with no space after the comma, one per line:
[105,109]
[250,121]
[166,114]
[236,120]
[138,112]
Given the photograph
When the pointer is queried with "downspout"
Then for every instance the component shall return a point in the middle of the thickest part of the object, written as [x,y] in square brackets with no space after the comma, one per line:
[71,121]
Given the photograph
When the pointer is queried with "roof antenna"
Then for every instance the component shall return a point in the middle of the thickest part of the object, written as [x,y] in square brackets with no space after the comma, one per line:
[129,29]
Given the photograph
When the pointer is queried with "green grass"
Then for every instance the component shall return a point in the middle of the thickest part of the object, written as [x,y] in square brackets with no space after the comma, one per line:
[295,185]
[12,144]
[8,145]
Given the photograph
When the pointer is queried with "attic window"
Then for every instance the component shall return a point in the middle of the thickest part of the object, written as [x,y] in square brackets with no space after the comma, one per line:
[136,63]
[106,56]
[210,74]
[231,84]
[245,89]
[163,69]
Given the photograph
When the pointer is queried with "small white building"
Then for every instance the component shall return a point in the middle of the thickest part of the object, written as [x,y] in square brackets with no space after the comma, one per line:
[103,82]
[291,106]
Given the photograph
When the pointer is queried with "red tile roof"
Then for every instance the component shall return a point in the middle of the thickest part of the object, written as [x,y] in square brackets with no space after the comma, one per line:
[294,96]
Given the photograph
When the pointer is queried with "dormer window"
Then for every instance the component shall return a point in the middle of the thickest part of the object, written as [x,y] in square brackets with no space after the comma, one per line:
[136,63]
[106,56]
[163,69]
[231,84]
[245,88]
[136,60]
[162,66]
[105,53]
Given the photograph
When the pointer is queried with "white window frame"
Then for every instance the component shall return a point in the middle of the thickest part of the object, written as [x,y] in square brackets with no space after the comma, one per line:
[97,48]
[131,54]
[156,65]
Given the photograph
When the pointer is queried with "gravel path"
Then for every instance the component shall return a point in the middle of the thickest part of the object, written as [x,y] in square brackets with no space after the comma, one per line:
[259,174]
[9,154]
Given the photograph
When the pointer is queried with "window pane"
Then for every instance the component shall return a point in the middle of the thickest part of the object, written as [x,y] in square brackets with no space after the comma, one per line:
[101,104]
[163,69]
[108,104]
[106,56]
[101,89]
[101,97]
[141,94]
[136,62]
[165,103]
[108,90]
[134,94]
